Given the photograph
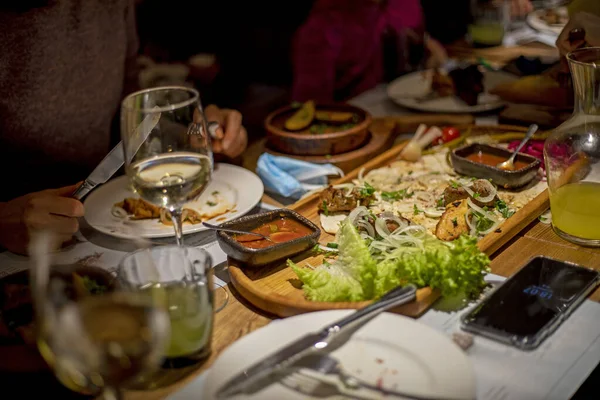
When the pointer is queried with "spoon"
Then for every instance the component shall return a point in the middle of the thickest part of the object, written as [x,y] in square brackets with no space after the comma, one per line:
[258,235]
[509,164]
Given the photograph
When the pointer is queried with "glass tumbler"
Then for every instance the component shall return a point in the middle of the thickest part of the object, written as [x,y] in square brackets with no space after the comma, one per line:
[489,22]
[572,156]
[181,280]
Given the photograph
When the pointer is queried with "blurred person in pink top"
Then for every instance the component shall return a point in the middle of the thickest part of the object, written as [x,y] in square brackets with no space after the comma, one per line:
[346,47]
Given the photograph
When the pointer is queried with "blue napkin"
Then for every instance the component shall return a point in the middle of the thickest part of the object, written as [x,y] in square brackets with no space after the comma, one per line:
[292,178]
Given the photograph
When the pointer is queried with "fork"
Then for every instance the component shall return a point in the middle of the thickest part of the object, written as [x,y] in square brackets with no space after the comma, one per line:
[315,384]
[320,375]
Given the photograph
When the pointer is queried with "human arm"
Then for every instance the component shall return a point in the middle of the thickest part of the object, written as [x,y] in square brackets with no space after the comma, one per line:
[231,136]
[589,23]
[520,8]
[437,54]
[49,210]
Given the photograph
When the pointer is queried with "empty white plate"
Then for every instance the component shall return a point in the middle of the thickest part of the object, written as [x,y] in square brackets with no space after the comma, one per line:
[391,351]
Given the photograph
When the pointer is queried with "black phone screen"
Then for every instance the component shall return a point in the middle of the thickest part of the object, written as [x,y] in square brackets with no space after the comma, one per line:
[533,297]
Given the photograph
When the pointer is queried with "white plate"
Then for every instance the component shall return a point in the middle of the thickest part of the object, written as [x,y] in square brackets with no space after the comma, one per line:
[406,88]
[535,21]
[391,350]
[240,187]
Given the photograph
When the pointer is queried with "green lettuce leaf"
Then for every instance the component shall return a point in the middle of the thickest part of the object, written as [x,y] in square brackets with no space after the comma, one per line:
[455,268]
[350,278]
[328,283]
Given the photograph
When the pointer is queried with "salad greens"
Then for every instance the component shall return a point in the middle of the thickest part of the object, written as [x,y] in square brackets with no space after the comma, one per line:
[455,268]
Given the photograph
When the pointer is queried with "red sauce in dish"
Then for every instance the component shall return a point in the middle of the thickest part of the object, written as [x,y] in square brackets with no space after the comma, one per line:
[279,231]
[493,160]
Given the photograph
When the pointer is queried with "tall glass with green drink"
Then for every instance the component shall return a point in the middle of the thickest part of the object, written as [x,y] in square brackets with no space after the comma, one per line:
[179,279]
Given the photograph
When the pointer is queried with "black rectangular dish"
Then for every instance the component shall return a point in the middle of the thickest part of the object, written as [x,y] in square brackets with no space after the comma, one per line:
[507,179]
[274,252]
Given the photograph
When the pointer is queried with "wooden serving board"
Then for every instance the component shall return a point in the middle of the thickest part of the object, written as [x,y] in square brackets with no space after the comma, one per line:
[277,290]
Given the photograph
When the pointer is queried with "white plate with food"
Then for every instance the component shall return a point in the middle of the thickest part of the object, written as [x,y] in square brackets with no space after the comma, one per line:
[390,352]
[549,20]
[116,210]
[413,90]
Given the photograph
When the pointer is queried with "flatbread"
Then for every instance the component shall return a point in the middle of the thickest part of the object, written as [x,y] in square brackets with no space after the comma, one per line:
[425,181]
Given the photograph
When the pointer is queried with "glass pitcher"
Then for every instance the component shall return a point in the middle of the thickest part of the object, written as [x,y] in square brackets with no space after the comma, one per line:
[572,156]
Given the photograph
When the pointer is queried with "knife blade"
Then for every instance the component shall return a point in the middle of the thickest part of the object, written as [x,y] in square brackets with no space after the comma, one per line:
[103,171]
[115,159]
[313,342]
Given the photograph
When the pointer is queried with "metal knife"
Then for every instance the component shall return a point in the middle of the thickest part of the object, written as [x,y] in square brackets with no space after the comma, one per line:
[313,342]
[114,160]
[103,171]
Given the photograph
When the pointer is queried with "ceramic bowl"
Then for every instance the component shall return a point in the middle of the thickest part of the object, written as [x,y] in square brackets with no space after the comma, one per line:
[503,178]
[276,252]
[304,142]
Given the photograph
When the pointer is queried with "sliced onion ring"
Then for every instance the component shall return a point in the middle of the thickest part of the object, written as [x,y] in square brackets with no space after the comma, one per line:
[480,210]
[118,212]
[491,190]
[348,186]
[433,212]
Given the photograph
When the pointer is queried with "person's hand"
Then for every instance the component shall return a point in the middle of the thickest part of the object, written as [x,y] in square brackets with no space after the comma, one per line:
[590,23]
[520,8]
[50,210]
[231,137]
[437,53]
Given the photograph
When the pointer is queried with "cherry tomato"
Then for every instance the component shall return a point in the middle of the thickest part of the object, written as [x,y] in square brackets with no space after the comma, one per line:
[449,133]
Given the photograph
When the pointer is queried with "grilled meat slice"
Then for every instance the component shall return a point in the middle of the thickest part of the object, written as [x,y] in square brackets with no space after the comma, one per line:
[452,194]
[140,209]
[453,223]
[335,200]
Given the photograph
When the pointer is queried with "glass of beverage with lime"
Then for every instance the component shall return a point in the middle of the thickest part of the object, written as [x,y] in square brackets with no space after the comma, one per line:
[179,279]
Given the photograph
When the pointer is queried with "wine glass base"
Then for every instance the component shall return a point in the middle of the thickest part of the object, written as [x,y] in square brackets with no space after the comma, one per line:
[576,240]
[221,297]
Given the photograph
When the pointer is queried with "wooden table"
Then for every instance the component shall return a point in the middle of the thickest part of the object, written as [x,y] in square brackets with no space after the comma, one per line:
[240,318]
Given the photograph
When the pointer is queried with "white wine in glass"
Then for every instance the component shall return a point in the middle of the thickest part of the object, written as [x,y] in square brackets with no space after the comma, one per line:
[168,155]
[171,180]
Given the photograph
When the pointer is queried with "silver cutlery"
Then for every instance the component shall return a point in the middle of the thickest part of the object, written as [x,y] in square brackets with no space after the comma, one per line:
[321,375]
[259,374]
[218,228]
[509,164]
[115,159]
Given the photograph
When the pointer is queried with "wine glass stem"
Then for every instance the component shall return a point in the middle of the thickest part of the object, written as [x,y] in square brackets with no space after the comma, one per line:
[177,225]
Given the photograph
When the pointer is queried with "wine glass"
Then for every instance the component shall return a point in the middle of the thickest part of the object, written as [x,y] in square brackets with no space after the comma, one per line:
[168,157]
[164,273]
[95,336]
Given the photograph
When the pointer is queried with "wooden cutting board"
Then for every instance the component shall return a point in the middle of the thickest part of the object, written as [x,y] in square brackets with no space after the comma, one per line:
[277,290]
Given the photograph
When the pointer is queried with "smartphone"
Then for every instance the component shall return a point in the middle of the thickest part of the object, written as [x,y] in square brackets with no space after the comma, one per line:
[531,304]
